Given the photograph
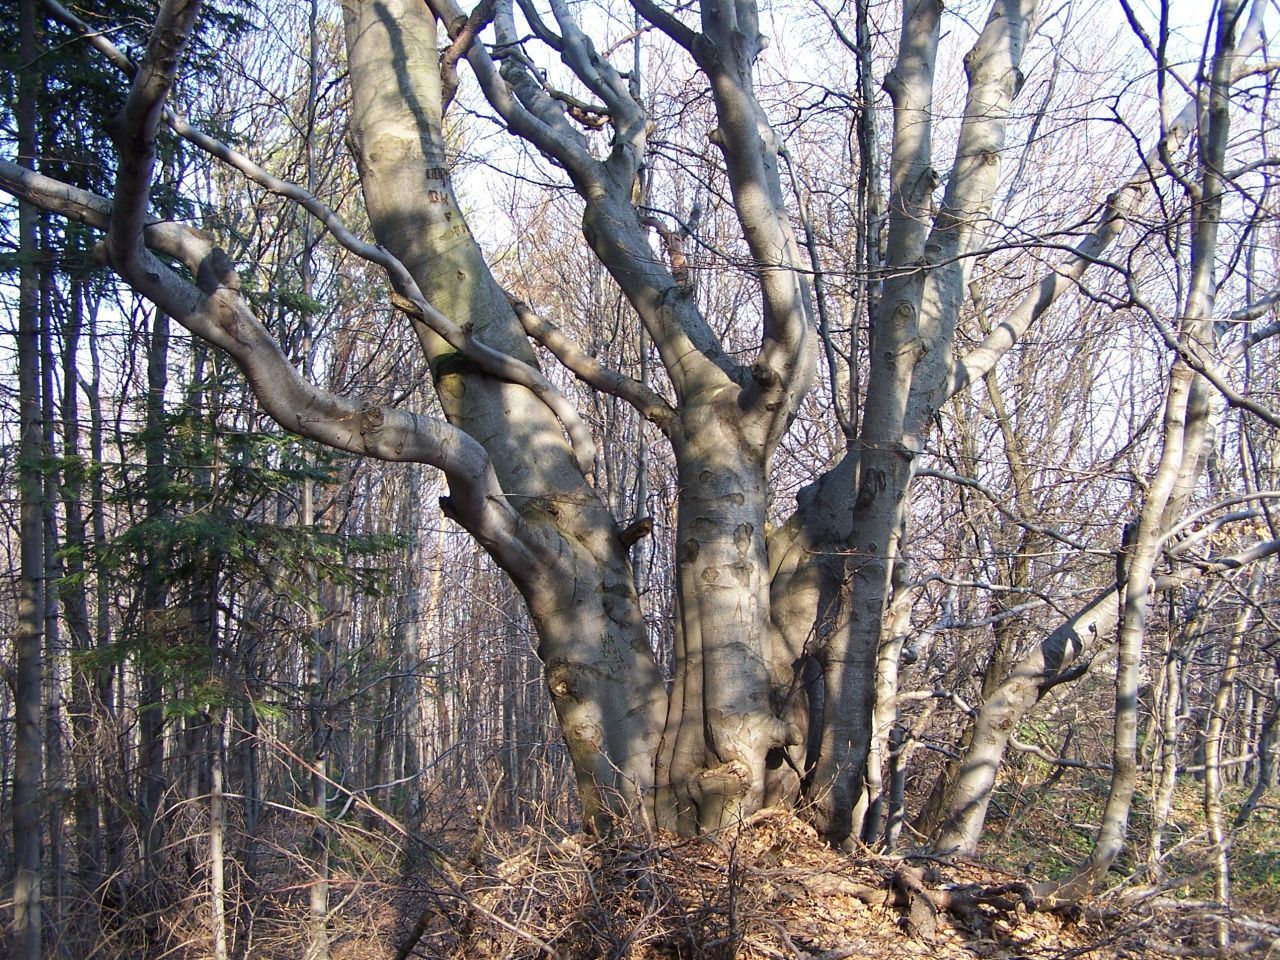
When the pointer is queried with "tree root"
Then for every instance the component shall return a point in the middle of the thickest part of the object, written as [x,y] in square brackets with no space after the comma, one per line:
[909,890]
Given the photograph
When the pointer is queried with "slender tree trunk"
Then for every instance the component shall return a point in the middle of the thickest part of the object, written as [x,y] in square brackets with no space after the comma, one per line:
[155,591]
[86,759]
[969,794]
[251,778]
[1267,750]
[899,745]
[217,831]
[28,762]
[1169,728]
[1219,838]
[317,653]
[56,785]
[869,813]
[1133,629]
[102,693]
[1181,459]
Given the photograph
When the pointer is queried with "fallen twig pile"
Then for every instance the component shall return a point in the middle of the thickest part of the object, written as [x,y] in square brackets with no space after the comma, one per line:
[771,890]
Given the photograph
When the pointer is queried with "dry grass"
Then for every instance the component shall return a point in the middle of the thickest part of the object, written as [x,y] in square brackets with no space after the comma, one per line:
[769,891]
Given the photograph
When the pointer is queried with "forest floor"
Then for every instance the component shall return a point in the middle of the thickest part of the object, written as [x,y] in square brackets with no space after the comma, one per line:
[776,891]
[464,890]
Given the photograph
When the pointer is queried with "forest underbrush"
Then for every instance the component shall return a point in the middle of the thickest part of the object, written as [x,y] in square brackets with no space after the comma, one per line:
[467,888]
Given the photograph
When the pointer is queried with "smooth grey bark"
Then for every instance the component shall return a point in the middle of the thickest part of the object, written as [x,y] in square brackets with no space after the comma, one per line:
[721,726]
[1138,589]
[214,310]
[1215,724]
[869,814]
[103,686]
[848,656]
[28,767]
[602,676]
[399,140]
[318,633]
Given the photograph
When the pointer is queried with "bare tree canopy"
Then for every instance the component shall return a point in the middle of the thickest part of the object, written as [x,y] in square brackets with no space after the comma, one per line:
[820,376]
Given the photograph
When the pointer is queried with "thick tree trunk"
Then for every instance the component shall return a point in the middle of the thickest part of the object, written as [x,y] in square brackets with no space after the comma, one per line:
[726,724]
[752,626]
[911,367]
[600,670]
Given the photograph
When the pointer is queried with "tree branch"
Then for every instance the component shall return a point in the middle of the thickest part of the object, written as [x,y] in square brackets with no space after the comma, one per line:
[995,79]
[647,402]
[215,311]
[983,358]
[488,360]
[784,367]
[690,351]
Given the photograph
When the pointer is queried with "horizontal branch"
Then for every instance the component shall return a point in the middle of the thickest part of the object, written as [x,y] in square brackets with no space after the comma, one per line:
[1256,309]
[994,498]
[1047,757]
[217,313]
[493,362]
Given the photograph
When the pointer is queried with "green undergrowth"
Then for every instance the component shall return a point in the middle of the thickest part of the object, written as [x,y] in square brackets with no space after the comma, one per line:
[1044,834]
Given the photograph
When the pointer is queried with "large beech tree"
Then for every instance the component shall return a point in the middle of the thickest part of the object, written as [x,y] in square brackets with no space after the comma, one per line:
[777,627]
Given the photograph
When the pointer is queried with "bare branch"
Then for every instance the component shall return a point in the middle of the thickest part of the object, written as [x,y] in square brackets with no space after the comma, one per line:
[493,362]
[667,23]
[690,351]
[1190,355]
[1118,208]
[997,501]
[784,367]
[646,401]
[1256,309]
[995,79]
[463,34]
[214,310]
